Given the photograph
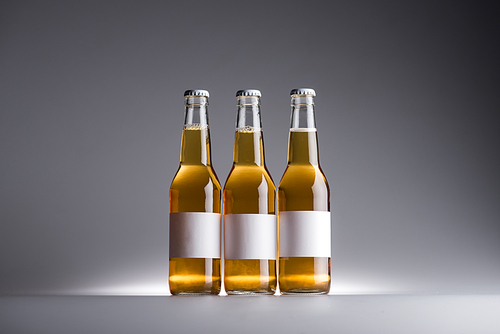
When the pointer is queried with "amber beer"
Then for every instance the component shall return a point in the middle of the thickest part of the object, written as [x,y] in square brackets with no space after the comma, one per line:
[249,207]
[195,207]
[304,206]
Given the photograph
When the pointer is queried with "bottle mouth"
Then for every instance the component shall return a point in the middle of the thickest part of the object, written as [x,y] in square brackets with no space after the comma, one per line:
[191,101]
[302,100]
[248,100]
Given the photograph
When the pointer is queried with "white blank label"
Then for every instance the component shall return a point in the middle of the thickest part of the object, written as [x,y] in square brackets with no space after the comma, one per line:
[250,236]
[195,235]
[304,234]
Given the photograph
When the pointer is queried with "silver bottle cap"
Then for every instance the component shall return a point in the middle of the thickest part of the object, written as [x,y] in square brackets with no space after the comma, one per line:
[197,92]
[303,91]
[248,92]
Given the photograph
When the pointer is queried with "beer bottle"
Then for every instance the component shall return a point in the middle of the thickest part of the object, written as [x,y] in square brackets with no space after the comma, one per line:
[304,206]
[249,207]
[195,207]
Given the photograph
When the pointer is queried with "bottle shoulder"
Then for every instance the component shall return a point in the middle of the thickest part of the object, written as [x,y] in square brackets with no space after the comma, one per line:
[303,176]
[303,188]
[194,176]
[248,176]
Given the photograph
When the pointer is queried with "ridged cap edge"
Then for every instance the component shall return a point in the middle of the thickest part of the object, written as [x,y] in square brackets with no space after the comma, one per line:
[303,91]
[248,92]
[197,92]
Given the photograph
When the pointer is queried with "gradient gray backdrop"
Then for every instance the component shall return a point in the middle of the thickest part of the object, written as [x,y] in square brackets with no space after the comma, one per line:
[91,118]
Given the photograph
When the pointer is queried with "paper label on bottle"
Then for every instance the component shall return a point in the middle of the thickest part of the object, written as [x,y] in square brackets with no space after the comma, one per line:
[195,235]
[250,236]
[304,234]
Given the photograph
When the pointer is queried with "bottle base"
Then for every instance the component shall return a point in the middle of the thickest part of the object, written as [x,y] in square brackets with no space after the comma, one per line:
[304,275]
[195,293]
[304,292]
[249,293]
[194,276]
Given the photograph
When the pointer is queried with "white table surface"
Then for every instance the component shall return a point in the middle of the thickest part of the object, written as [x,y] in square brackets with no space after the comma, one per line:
[259,314]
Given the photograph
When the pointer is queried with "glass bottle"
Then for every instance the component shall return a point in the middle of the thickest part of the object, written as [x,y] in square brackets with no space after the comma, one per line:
[249,207]
[304,206]
[195,207]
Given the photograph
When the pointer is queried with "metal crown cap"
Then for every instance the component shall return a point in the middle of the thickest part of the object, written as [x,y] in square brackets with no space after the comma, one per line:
[303,91]
[248,92]
[197,92]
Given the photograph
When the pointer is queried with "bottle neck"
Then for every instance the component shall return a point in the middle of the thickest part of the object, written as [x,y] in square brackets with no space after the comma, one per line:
[195,143]
[248,141]
[302,116]
[303,140]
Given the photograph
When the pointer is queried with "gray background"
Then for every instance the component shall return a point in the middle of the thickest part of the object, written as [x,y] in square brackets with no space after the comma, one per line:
[91,118]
